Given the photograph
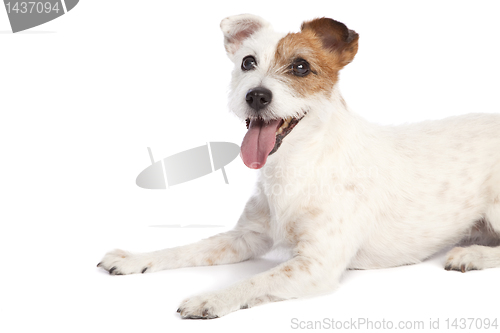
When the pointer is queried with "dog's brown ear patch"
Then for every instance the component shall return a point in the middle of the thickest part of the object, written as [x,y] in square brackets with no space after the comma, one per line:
[335,37]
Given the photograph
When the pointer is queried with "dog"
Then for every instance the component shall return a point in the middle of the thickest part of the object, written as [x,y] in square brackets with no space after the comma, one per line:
[339,192]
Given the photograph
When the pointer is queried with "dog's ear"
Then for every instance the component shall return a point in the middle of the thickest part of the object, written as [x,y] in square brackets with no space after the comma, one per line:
[335,37]
[238,28]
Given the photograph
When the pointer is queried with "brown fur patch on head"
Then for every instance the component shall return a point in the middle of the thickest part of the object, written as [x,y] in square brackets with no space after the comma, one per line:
[335,37]
[327,46]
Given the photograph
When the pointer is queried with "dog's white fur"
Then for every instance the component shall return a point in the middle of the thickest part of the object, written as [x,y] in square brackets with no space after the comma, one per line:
[344,193]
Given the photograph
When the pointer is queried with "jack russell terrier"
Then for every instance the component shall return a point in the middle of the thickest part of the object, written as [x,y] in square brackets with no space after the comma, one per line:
[340,192]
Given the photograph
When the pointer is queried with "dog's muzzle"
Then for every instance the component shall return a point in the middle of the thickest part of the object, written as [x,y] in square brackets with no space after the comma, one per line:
[263,137]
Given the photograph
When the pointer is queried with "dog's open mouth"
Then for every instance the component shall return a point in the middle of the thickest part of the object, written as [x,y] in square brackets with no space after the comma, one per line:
[264,138]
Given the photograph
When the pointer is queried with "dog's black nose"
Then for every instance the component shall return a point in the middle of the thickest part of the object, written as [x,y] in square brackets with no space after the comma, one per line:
[259,98]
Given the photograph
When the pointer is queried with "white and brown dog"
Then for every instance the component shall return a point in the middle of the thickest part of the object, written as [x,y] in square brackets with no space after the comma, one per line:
[340,192]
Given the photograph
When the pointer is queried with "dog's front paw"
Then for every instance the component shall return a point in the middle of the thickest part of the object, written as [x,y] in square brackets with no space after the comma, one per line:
[119,262]
[207,306]
[464,259]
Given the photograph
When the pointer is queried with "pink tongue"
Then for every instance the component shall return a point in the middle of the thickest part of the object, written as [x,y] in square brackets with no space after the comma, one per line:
[258,143]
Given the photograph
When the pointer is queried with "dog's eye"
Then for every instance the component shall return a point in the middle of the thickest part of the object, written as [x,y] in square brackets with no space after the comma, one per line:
[300,67]
[248,63]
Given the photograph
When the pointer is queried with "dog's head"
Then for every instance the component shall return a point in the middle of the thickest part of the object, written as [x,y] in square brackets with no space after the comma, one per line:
[279,77]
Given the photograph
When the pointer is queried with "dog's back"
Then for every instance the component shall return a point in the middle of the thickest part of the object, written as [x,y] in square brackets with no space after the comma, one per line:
[440,185]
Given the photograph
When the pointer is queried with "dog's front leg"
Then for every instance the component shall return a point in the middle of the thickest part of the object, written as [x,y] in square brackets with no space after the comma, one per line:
[321,254]
[247,240]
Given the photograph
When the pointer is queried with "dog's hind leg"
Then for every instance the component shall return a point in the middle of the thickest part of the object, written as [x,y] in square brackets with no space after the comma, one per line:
[477,256]
[473,257]
[248,239]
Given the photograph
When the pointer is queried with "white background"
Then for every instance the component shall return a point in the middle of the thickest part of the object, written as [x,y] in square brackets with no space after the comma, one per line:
[82,97]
